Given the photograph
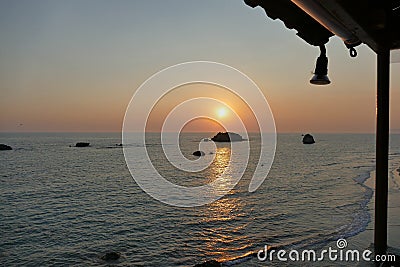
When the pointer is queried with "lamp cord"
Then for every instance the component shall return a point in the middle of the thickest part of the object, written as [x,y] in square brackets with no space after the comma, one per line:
[323,50]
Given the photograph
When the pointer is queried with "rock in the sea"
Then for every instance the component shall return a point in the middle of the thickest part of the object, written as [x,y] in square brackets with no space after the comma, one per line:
[198,153]
[82,144]
[211,263]
[111,256]
[5,147]
[227,137]
[308,139]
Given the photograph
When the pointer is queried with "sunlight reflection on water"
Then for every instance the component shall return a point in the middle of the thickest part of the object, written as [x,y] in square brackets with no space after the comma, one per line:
[66,206]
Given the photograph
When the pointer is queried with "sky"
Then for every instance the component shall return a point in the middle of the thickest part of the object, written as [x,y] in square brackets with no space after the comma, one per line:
[73,66]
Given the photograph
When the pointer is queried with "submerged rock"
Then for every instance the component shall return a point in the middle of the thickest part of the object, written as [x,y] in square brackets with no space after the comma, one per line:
[308,139]
[227,137]
[198,153]
[82,144]
[211,263]
[111,256]
[5,147]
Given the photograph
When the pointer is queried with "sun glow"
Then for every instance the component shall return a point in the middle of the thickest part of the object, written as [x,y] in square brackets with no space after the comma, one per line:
[222,112]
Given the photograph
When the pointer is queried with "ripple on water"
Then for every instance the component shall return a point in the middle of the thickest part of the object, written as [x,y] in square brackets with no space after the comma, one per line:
[66,206]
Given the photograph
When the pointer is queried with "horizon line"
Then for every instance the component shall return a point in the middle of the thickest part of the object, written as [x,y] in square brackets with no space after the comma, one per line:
[250,132]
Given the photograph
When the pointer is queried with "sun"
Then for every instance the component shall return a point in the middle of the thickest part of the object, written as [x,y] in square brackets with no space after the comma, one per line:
[222,112]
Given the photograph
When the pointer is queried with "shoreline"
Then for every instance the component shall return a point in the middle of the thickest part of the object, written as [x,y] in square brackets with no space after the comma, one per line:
[364,239]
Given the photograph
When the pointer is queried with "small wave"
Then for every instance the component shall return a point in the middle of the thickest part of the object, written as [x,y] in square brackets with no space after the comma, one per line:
[363,177]
[330,164]
[369,167]
[361,218]
[109,147]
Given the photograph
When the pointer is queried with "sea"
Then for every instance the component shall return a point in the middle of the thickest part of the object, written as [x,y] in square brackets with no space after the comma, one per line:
[62,205]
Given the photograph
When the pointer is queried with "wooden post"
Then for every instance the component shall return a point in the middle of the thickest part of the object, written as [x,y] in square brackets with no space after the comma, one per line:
[382,150]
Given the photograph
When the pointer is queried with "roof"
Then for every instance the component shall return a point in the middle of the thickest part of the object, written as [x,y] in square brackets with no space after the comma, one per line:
[372,22]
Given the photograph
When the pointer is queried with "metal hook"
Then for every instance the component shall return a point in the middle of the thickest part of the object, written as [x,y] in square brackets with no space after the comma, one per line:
[353,52]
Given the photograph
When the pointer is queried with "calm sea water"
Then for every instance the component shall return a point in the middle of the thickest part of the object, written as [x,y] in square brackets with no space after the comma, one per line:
[62,205]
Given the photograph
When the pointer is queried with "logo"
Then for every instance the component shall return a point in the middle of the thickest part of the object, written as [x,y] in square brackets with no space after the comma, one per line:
[143,102]
[338,254]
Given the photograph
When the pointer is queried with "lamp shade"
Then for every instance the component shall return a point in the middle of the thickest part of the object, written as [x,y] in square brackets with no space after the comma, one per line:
[321,71]
[320,79]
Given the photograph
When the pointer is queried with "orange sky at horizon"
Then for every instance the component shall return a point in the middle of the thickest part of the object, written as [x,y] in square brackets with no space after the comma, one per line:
[199,90]
[65,68]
